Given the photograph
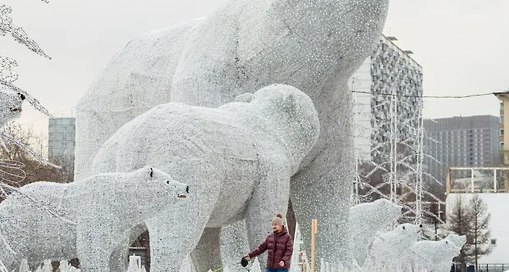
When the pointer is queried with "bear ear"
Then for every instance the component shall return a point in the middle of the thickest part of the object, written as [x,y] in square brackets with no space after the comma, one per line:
[246,98]
[151,172]
[288,102]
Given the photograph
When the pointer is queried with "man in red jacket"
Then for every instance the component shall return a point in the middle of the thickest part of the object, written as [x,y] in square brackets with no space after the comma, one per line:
[280,247]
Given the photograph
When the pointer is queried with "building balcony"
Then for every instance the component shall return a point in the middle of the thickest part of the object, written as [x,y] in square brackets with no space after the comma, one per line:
[477,182]
[504,157]
[477,190]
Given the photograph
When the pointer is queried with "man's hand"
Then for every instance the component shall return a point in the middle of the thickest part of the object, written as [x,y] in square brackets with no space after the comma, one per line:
[281,263]
[247,257]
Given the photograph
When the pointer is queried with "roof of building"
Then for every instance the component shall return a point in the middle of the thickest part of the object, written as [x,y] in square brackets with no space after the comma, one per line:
[501,93]
[462,122]
[406,53]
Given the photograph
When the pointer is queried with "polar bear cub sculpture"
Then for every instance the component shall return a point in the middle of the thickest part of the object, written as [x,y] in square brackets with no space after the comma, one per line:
[367,220]
[388,248]
[432,255]
[238,157]
[45,220]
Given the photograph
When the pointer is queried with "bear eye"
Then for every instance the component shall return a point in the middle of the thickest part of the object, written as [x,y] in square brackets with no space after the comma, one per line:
[403,227]
[167,182]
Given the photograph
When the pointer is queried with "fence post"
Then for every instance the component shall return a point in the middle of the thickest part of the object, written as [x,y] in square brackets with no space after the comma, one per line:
[314,230]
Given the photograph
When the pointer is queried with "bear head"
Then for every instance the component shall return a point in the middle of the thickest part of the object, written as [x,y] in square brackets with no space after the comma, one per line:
[408,229]
[10,104]
[448,248]
[160,185]
[404,235]
[290,117]
[457,239]
[374,215]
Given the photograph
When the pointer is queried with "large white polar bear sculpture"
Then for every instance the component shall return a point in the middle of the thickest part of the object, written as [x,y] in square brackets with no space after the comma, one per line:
[314,45]
[238,159]
[85,219]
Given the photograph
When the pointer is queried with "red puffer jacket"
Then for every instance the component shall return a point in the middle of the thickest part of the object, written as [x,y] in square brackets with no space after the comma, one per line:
[280,247]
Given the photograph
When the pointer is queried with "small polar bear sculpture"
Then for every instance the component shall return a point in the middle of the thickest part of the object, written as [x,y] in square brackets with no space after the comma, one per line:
[85,219]
[388,248]
[432,255]
[367,220]
[238,157]
[10,104]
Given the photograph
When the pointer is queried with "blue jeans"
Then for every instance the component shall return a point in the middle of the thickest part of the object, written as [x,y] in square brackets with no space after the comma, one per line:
[276,270]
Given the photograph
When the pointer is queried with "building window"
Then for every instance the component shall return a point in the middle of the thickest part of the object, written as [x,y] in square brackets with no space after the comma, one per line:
[493,241]
[501,132]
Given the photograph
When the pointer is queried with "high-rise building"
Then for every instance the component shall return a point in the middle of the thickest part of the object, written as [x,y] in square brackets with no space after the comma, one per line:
[388,84]
[471,141]
[61,137]
[504,137]
[504,122]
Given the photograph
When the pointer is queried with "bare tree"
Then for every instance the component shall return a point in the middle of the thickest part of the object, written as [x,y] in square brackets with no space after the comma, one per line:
[66,168]
[20,167]
[480,231]
[472,220]
[458,221]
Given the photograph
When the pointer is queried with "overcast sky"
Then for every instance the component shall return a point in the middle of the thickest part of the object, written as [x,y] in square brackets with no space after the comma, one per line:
[462,45]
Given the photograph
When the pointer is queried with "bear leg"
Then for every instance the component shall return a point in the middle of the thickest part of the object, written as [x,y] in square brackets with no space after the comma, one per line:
[234,244]
[94,246]
[170,242]
[118,258]
[174,234]
[207,254]
[270,197]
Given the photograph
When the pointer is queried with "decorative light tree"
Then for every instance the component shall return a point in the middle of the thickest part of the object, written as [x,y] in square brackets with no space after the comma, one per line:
[7,74]
[396,170]
[12,172]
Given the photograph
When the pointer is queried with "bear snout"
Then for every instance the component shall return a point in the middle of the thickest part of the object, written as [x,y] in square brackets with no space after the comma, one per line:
[16,109]
[185,195]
